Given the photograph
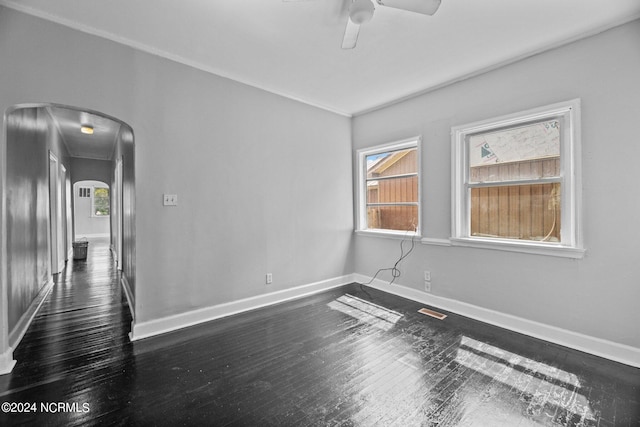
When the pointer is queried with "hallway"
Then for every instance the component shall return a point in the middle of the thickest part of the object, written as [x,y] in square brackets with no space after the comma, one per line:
[77,349]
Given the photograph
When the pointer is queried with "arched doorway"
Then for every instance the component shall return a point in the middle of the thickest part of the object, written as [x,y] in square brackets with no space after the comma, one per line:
[49,147]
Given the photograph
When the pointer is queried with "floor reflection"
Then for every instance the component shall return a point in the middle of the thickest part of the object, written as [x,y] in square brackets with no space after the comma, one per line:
[366,311]
[552,393]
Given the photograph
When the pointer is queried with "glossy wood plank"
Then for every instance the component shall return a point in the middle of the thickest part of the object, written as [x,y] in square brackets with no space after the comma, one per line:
[343,357]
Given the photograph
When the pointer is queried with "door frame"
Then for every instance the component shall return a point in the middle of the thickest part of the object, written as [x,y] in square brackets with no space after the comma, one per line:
[56,232]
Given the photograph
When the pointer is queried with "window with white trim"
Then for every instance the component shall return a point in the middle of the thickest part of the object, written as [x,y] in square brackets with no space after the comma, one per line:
[516,182]
[389,188]
[100,204]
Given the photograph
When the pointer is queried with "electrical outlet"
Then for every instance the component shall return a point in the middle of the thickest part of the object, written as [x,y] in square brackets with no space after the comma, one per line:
[427,286]
[170,200]
[427,275]
[269,278]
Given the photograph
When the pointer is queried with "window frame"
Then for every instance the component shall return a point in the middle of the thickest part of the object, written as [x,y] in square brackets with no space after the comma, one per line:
[93,205]
[361,155]
[571,239]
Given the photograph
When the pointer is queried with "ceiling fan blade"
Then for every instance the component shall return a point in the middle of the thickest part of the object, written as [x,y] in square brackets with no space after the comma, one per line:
[350,35]
[426,7]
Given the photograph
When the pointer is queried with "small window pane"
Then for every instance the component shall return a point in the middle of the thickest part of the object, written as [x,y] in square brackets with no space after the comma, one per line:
[393,190]
[525,152]
[520,212]
[392,163]
[402,218]
[527,169]
[101,202]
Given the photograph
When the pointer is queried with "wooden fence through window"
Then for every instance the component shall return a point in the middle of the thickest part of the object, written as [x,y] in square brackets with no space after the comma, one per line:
[526,212]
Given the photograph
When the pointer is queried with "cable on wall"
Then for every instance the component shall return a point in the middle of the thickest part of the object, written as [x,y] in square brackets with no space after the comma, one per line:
[395,271]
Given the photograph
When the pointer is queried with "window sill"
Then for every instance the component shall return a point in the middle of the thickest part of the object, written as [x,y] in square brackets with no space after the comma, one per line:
[434,241]
[535,248]
[389,234]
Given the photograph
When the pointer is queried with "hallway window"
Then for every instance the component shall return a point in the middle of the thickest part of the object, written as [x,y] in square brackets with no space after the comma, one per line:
[100,202]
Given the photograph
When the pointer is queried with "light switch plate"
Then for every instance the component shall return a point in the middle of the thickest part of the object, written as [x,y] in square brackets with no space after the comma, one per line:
[170,200]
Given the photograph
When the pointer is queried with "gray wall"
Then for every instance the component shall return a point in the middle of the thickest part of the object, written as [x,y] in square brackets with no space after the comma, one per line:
[91,169]
[264,182]
[30,136]
[597,295]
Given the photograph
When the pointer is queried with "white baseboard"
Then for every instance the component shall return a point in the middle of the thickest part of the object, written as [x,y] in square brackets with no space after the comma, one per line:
[18,331]
[6,361]
[90,236]
[130,297]
[599,347]
[178,321]
[116,260]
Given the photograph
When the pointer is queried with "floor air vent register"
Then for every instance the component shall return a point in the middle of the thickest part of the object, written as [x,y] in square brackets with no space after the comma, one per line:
[432,313]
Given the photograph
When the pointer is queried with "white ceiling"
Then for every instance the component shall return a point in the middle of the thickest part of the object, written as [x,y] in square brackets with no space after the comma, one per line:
[292,48]
[100,145]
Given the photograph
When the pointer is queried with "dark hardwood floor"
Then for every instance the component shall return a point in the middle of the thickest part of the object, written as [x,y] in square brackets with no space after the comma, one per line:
[344,357]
